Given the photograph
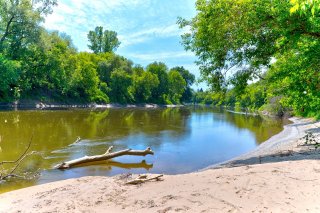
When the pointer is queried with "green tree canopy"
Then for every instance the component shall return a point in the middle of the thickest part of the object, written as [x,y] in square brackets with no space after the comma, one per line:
[19,23]
[52,60]
[177,86]
[161,71]
[9,75]
[240,38]
[275,41]
[120,85]
[143,85]
[189,79]
[103,41]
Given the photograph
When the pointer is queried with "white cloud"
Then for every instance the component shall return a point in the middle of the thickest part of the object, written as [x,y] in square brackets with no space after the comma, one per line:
[87,13]
[147,34]
[123,16]
[160,56]
[107,6]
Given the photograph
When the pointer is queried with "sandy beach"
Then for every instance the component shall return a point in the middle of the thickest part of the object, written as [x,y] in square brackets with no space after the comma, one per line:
[281,175]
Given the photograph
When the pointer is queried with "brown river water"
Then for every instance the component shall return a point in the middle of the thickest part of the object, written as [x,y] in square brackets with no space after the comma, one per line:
[184,140]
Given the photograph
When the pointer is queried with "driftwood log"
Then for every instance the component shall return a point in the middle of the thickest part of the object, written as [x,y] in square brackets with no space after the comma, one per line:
[106,156]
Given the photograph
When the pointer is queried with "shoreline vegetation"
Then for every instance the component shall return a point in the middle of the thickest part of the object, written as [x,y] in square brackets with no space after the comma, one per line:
[265,58]
[54,105]
[44,65]
[29,104]
[270,178]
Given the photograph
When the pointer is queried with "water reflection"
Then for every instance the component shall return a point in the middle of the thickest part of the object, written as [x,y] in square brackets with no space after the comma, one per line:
[143,164]
[184,139]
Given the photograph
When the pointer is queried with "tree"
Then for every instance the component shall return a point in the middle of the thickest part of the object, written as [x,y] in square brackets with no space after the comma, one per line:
[138,70]
[85,81]
[299,77]
[120,87]
[305,6]
[103,41]
[110,41]
[52,60]
[143,85]
[108,62]
[19,23]
[9,75]
[189,79]
[274,41]
[242,37]
[177,86]
[159,93]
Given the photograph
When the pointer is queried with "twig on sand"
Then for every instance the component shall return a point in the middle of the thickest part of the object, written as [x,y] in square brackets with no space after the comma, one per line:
[144,178]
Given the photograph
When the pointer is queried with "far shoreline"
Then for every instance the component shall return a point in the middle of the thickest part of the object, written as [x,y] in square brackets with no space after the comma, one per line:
[38,105]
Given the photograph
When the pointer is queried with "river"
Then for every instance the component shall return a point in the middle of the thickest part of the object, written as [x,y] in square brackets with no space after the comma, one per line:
[184,140]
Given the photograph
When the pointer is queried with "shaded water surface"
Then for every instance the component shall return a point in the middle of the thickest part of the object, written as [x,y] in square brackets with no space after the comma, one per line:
[183,139]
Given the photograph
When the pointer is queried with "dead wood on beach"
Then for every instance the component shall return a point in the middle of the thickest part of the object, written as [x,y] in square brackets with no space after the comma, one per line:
[144,178]
[106,156]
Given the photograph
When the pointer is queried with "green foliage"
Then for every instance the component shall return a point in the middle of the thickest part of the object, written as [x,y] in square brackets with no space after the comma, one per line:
[243,36]
[52,61]
[85,81]
[299,77]
[120,87]
[251,99]
[161,71]
[103,41]
[144,83]
[189,79]
[41,65]
[177,86]
[19,24]
[203,97]
[276,42]
[9,75]
[228,34]
[108,62]
[305,6]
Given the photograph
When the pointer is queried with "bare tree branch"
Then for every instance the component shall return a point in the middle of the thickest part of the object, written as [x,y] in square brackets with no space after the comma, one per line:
[21,156]
[6,33]
[16,162]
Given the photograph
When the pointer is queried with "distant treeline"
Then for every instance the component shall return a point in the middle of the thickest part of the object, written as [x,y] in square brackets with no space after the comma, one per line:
[36,64]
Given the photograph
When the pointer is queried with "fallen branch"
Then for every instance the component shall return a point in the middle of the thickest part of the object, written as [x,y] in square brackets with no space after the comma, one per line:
[143,178]
[22,156]
[106,156]
[16,162]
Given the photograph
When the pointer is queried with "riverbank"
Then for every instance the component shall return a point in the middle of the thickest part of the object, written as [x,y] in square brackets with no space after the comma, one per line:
[285,146]
[31,104]
[281,175]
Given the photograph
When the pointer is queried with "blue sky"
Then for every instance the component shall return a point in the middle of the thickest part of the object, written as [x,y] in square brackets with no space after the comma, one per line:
[147,29]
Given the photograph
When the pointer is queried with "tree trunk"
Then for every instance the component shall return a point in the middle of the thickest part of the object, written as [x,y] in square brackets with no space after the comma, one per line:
[105,156]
